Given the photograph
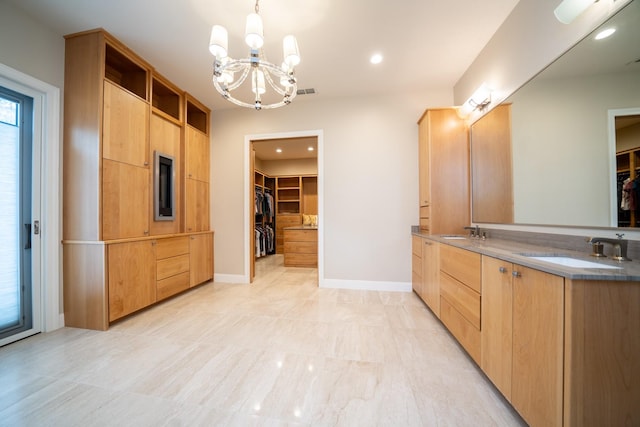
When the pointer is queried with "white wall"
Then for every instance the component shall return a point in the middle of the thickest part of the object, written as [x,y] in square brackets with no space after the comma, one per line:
[529,40]
[370,179]
[30,48]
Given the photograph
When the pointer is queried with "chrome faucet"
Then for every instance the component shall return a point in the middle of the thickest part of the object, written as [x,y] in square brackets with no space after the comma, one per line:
[473,231]
[619,246]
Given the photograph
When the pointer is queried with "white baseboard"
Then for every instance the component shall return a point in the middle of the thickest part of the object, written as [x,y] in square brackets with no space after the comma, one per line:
[231,278]
[366,285]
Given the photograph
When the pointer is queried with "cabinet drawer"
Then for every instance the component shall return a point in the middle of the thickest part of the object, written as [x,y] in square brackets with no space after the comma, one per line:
[171,266]
[174,246]
[466,334]
[288,220]
[300,235]
[463,265]
[425,212]
[301,247]
[464,299]
[300,260]
[425,224]
[416,246]
[172,285]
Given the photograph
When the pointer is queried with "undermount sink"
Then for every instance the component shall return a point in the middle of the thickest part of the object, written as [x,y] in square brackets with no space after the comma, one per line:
[570,262]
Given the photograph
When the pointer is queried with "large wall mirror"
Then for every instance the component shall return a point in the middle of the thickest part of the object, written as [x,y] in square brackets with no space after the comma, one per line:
[547,155]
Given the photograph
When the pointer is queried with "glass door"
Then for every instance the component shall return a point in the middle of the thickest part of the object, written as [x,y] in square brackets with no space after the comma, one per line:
[16,227]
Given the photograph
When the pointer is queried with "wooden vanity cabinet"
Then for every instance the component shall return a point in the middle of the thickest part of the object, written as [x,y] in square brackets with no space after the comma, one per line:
[523,338]
[416,266]
[431,275]
[460,291]
[443,157]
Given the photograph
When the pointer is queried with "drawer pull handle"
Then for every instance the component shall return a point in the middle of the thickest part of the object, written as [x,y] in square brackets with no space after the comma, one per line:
[502,270]
[516,274]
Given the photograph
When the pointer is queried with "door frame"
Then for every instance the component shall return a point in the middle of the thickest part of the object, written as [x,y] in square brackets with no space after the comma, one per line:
[46,158]
[248,174]
[613,183]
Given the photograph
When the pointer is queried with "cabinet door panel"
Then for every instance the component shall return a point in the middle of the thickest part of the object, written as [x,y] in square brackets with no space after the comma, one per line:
[132,277]
[496,313]
[197,155]
[431,276]
[201,258]
[538,340]
[197,205]
[125,200]
[125,127]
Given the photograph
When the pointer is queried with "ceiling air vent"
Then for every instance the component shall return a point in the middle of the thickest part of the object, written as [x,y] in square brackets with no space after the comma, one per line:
[306,91]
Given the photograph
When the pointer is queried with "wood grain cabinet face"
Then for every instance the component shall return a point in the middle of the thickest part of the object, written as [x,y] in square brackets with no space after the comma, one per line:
[443,158]
[431,275]
[416,265]
[497,325]
[538,338]
[125,130]
[523,338]
[201,258]
[131,277]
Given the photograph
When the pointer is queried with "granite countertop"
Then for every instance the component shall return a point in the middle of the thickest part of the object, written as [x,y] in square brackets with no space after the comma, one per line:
[516,252]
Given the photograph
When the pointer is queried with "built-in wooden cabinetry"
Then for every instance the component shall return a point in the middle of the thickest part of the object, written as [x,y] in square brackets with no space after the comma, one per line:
[460,291]
[492,179]
[561,351]
[300,247]
[522,338]
[118,258]
[443,157]
[295,196]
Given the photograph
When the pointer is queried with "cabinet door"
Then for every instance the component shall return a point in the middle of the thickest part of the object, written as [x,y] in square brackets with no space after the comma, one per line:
[131,277]
[125,127]
[538,339]
[125,200]
[201,258]
[416,265]
[197,205]
[431,276]
[496,314]
[197,155]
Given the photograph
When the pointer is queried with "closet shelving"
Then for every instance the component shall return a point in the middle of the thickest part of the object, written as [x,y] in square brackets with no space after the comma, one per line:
[627,167]
[288,191]
[264,186]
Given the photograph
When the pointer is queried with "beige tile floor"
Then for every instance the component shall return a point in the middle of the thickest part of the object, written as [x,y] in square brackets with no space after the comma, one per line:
[278,352]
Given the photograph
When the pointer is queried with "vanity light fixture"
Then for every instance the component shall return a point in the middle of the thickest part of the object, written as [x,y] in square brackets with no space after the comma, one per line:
[280,79]
[479,100]
[568,10]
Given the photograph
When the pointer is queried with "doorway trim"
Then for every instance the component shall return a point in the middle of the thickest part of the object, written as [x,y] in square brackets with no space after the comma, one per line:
[46,156]
[613,189]
[248,139]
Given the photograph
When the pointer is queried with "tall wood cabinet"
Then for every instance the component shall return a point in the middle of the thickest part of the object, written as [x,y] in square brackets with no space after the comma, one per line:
[118,113]
[443,157]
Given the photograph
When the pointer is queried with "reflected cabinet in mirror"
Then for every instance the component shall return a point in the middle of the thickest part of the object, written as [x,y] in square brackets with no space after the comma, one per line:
[565,148]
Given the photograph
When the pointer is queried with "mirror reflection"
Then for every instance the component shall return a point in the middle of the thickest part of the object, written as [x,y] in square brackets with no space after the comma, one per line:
[547,155]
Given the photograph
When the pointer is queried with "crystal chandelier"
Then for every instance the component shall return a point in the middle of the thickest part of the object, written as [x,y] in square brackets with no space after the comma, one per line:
[280,78]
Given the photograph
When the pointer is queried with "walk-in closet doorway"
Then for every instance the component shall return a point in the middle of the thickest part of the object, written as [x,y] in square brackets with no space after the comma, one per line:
[284,176]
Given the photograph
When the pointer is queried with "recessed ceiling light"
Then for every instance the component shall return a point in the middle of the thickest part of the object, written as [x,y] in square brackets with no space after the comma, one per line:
[605,33]
[278,150]
[310,149]
[376,58]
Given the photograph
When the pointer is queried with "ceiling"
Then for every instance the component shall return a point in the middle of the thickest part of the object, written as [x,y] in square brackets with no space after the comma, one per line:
[291,148]
[426,44]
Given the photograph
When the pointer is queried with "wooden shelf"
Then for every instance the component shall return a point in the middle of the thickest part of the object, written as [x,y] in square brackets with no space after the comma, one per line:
[126,73]
[166,98]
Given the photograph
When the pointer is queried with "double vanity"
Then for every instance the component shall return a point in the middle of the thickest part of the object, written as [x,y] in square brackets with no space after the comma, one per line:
[556,331]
